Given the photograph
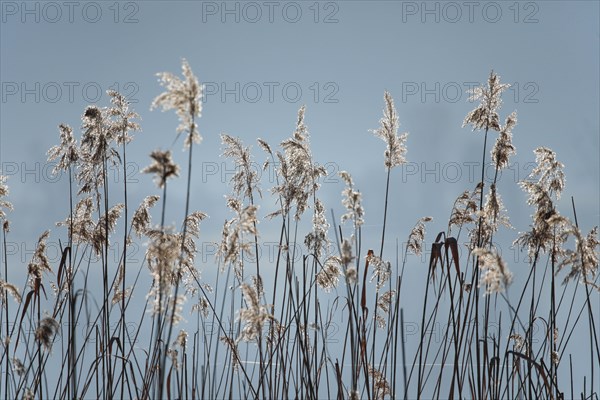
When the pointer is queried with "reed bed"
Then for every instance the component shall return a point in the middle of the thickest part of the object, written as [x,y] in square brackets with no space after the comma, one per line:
[261,329]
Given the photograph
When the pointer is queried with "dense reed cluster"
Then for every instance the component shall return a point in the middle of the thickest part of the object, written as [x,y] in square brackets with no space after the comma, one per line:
[262,329]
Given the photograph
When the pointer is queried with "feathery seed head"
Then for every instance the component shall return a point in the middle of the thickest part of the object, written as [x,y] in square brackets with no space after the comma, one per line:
[254,314]
[46,330]
[495,274]
[352,201]
[485,116]
[245,180]
[66,153]
[388,131]
[162,166]
[185,97]
[3,203]
[141,218]
[328,276]
[417,236]
[6,287]
[504,148]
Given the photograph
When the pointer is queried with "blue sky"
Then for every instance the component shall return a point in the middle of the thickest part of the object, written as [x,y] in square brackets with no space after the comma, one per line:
[261,61]
[260,67]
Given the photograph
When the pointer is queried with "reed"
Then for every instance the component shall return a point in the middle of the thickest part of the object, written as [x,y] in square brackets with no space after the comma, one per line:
[263,328]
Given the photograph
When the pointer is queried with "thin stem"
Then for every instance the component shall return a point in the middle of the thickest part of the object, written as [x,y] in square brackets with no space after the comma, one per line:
[125,235]
[387,188]
[183,237]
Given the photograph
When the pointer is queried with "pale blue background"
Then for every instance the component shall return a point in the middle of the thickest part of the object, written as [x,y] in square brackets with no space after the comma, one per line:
[550,54]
